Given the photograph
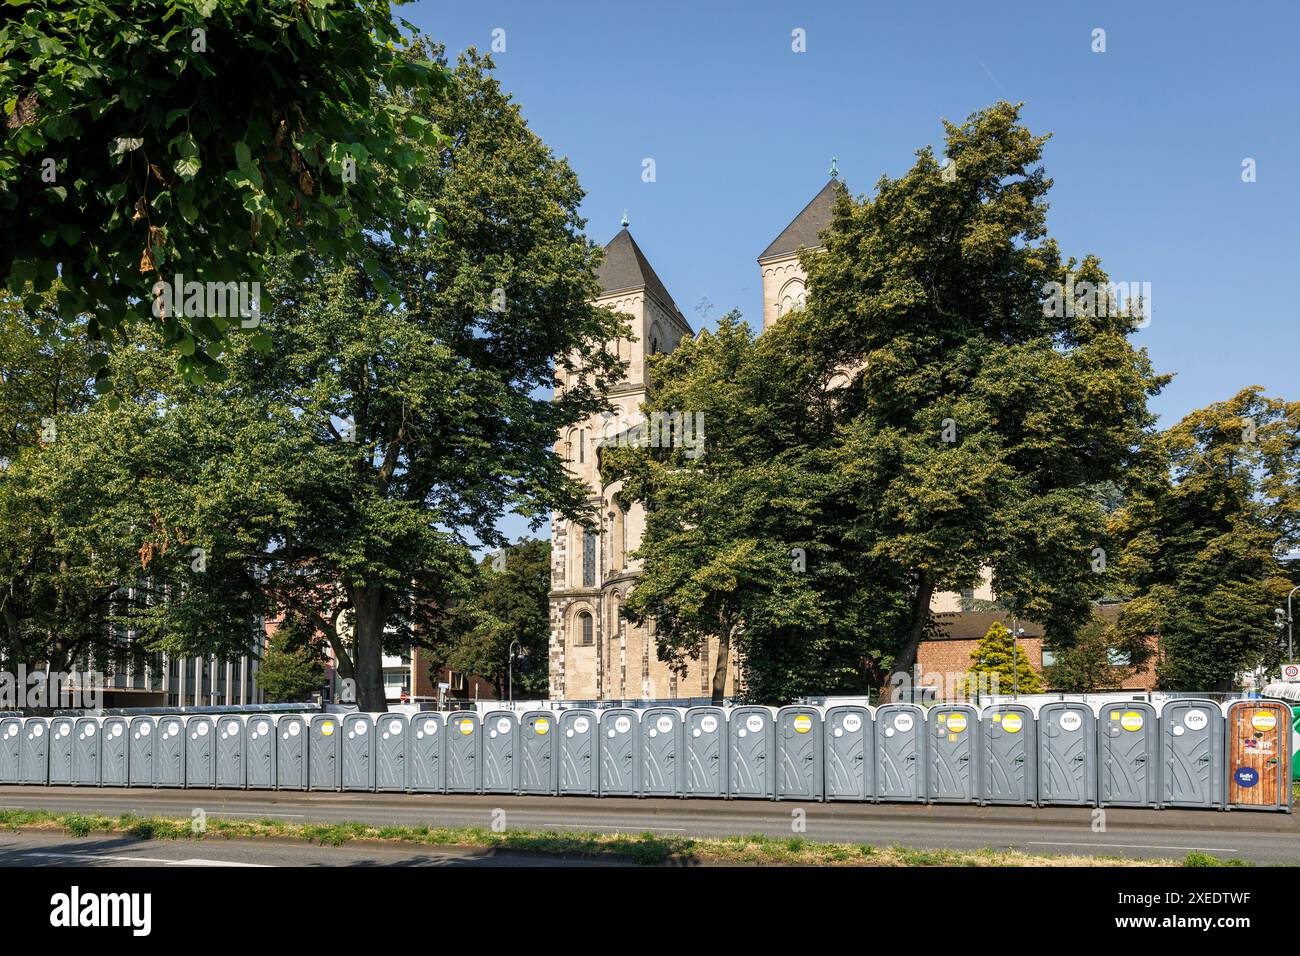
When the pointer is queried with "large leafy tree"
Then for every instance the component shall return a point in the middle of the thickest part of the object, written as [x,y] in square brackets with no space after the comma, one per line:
[1201,540]
[508,605]
[146,138]
[342,474]
[983,423]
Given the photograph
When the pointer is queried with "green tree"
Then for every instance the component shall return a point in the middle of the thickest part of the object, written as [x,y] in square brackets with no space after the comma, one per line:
[1083,666]
[292,668]
[984,418]
[505,605]
[200,137]
[1200,540]
[995,665]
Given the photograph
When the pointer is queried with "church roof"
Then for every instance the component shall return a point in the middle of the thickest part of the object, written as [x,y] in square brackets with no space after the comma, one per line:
[626,268]
[806,228]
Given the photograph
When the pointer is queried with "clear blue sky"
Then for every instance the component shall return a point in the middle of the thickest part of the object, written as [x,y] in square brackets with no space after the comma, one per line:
[1148,140]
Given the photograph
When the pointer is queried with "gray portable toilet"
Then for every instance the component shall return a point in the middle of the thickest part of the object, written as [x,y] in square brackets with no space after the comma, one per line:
[11,748]
[704,740]
[390,749]
[1009,764]
[799,754]
[850,761]
[619,729]
[291,771]
[463,752]
[537,733]
[114,752]
[661,752]
[259,752]
[139,763]
[578,745]
[358,753]
[424,760]
[34,758]
[324,755]
[1191,753]
[1258,756]
[87,742]
[900,753]
[61,751]
[1067,753]
[1127,755]
[200,765]
[500,747]
[751,771]
[169,752]
[955,750]
[231,746]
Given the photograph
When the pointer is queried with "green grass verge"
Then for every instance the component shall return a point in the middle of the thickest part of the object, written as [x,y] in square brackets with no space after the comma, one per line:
[648,849]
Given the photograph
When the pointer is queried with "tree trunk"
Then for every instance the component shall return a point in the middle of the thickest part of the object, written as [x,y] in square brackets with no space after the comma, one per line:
[906,656]
[371,607]
[720,665]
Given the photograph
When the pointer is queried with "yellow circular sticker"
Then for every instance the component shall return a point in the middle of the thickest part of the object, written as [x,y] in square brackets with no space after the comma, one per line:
[803,723]
[467,726]
[1263,720]
[1131,721]
[1012,723]
[957,723]
[327,728]
[542,726]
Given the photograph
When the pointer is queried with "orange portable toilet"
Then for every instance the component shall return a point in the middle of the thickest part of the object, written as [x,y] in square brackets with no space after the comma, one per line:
[1259,755]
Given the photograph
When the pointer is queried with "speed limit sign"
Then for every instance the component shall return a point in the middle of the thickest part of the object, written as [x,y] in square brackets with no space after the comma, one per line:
[1291,673]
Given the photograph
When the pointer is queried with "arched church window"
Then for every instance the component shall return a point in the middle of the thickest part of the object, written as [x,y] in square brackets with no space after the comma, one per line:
[583,629]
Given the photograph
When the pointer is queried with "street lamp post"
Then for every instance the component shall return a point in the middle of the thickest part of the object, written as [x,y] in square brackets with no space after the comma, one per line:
[1290,637]
[515,647]
[1015,665]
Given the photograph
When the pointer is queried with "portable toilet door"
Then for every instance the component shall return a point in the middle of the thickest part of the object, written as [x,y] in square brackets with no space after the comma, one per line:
[358,753]
[661,752]
[1009,768]
[34,759]
[61,751]
[1127,755]
[424,758]
[114,752]
[537,733]
[850,761]
[704,736]
[500,746]
[11,748]
[954,753]
[390,745]
[259,752]
[139,761]
[618,776]
[900,753]
[463,752]
[1191,753]
[1259,755]
[799,754]
[1067,753]
[200,765]
[324,755]
[169,752]
[87,742]
[291,772]
[578,743]
[751,771]
[231,745]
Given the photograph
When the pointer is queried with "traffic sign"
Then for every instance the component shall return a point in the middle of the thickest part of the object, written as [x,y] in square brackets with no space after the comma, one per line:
[1291,673]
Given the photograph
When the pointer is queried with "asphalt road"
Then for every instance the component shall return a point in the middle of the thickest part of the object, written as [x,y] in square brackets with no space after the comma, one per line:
[1264,838]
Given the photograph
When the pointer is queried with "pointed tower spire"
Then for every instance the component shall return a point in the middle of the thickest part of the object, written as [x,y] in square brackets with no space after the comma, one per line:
[624,222]
[835,168]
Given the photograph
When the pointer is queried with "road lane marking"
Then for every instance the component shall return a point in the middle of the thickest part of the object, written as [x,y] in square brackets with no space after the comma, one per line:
[137,859]
[1139,846]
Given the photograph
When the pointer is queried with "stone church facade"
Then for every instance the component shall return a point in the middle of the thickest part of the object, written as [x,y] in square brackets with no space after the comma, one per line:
[594,653]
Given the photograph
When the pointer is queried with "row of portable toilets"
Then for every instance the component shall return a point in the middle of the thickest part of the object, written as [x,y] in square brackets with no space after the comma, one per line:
[1183,753]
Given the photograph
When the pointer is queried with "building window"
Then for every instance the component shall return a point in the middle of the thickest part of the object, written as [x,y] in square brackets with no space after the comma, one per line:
[589,540]
[1049,657]
[582,446]
[583,629]
[456,680]
[1117,658]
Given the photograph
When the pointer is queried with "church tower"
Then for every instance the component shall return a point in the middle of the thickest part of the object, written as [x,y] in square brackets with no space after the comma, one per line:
[594,653]
[784,281]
